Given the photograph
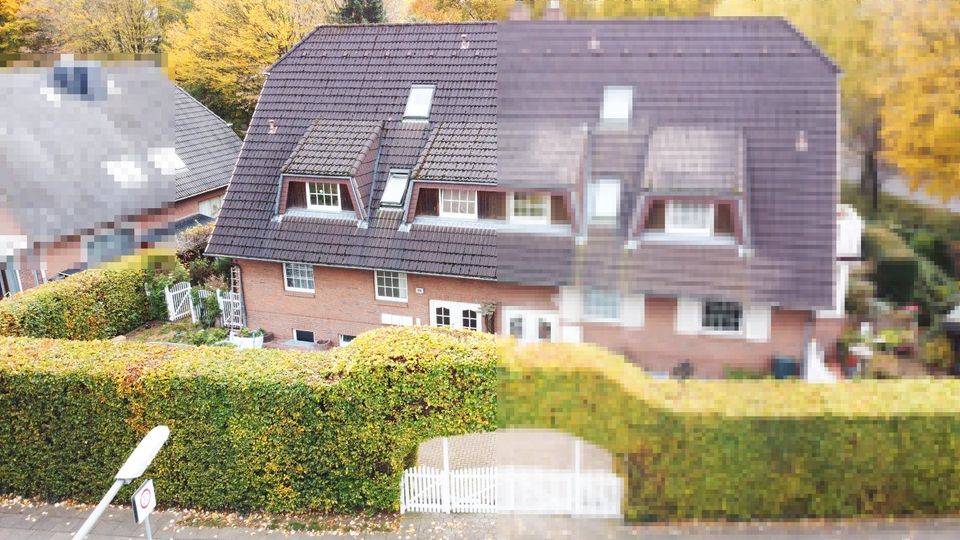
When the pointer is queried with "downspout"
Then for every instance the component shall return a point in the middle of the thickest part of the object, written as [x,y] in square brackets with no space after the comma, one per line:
[807,336]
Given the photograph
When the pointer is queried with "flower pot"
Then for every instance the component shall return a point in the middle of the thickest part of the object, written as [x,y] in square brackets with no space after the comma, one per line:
[255,342]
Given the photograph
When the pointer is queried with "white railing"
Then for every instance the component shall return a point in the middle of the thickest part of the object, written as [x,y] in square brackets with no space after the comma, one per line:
[506,489]
[179,303]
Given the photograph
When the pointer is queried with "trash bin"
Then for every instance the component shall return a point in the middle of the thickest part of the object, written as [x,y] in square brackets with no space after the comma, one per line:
[785,367]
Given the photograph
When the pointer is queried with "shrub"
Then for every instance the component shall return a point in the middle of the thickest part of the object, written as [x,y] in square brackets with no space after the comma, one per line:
[209,336]
[192,242]
[937,352]
[896,266]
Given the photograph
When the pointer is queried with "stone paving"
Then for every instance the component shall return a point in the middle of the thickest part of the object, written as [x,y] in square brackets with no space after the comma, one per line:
[49,522]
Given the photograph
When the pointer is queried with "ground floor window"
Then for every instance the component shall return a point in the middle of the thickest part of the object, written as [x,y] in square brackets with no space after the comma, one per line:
[455,314]
[305,336]
[530,326]
[722,316]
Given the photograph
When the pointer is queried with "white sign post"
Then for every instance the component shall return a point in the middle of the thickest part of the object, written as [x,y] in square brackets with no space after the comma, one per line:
[144,500]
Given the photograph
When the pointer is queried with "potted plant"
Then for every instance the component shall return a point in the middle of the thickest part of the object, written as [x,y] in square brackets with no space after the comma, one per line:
[246,338]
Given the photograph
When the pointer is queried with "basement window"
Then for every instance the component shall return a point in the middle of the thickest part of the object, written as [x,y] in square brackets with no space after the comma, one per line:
[395,189]
[305,336]
[419,102]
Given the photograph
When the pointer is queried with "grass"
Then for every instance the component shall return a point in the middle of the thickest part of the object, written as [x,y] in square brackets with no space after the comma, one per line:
[177,332]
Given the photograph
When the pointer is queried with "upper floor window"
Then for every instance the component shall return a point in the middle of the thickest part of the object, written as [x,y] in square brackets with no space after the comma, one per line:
[722,316]
[530,207]
[458,203]
[693,218]
[391,285]
[419,102]
[395,189]
[617,103]
[323,196]
[603,197]
[601,304]
[298,277]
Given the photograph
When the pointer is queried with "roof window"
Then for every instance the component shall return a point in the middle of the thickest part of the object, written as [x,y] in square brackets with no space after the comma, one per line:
[395,189]
[419,102]
[617,103]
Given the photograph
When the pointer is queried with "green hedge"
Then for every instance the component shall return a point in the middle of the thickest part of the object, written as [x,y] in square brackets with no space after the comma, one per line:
[896,268]
[93,304]
[265,429]
[292,431]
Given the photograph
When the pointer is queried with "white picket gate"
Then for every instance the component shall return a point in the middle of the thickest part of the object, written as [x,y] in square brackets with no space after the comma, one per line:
[508,489]
[179,303]
[197,310]
[231,309]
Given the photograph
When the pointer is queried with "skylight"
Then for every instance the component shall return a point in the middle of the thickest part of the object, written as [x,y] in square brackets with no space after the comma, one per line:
[617,103]
[419,101]
[395,189]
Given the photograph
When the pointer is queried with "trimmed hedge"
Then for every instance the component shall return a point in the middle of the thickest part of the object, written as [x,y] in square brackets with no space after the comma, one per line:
[93,304]
[292,431]
[264,429]
[897,268]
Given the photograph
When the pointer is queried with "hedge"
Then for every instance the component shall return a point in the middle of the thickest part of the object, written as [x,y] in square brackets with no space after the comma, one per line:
[292,431]
[897,268]
[93,304]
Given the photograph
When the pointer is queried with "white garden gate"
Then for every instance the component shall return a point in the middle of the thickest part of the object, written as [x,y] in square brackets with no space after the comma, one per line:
[179,303]
[231,309]
[512,489]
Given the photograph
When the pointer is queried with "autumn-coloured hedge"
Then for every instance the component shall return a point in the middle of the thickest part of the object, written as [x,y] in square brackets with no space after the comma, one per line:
[263,429]
[293,431]
[93,304]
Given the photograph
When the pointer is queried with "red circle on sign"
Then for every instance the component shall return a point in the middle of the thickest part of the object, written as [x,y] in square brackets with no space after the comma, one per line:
[145,498]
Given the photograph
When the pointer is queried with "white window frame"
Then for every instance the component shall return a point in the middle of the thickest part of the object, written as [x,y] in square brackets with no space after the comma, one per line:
[215,203]
[345,339]
[674,223]
[424,92]
[396,177]
[613,101]
[531,323]
[460,200]
[456,313]
[286,277]
[545,204]
[594,190]
[314,334]
[401,285]
[324,207]
[710,330]
[590,316]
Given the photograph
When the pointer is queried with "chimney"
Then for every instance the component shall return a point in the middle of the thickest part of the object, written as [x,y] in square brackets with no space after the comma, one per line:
[553,12]
[520,11]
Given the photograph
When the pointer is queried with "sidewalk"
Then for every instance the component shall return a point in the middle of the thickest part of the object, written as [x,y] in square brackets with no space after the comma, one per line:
[53,522]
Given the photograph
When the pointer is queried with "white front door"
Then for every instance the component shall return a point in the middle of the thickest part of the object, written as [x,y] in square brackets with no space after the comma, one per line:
[531,326]
[455,315]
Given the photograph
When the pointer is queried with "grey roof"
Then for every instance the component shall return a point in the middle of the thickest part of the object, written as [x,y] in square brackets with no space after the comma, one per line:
[333,147]
[460,152]
[70,164]
[206,144]
[541,84]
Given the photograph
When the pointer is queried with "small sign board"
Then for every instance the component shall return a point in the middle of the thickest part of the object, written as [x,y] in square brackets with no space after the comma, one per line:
[143,501]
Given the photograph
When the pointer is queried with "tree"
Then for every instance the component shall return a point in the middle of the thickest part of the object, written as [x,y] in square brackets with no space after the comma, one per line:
[920,126]
[847,30]
[15,31]
[484,10]
[359,11]
[102,26]
[219,53]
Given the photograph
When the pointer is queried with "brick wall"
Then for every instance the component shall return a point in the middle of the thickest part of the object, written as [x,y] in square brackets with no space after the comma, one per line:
[191,205]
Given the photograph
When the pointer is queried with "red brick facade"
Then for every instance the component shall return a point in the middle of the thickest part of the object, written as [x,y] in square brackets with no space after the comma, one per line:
[344,303]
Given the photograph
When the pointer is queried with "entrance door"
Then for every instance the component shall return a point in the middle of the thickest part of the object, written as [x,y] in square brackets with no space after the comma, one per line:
[455,315]
[531,326]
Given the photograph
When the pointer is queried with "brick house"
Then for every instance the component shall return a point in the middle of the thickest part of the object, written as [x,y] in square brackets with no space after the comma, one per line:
[665,188]
[136,160]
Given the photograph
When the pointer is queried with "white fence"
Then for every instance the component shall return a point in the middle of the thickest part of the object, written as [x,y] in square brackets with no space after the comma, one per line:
[504,489]
[231,309]
[179,303]
[197,311]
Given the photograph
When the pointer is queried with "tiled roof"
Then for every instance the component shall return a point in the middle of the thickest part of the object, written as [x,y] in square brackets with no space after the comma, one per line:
[333,147]
[206,144]
[695,158]
[460,152]
[541,84]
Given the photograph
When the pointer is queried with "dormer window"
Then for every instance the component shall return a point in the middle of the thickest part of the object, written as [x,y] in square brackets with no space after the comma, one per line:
[323,196]
[458,203]
[419,102]
[603,197]
[689,218]
[530,207]
[617,103]
[395,189]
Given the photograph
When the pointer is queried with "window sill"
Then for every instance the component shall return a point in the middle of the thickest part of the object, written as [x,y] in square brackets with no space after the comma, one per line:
[390,302]
[688,239]
[721,333]
[322,214]
[300,294]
